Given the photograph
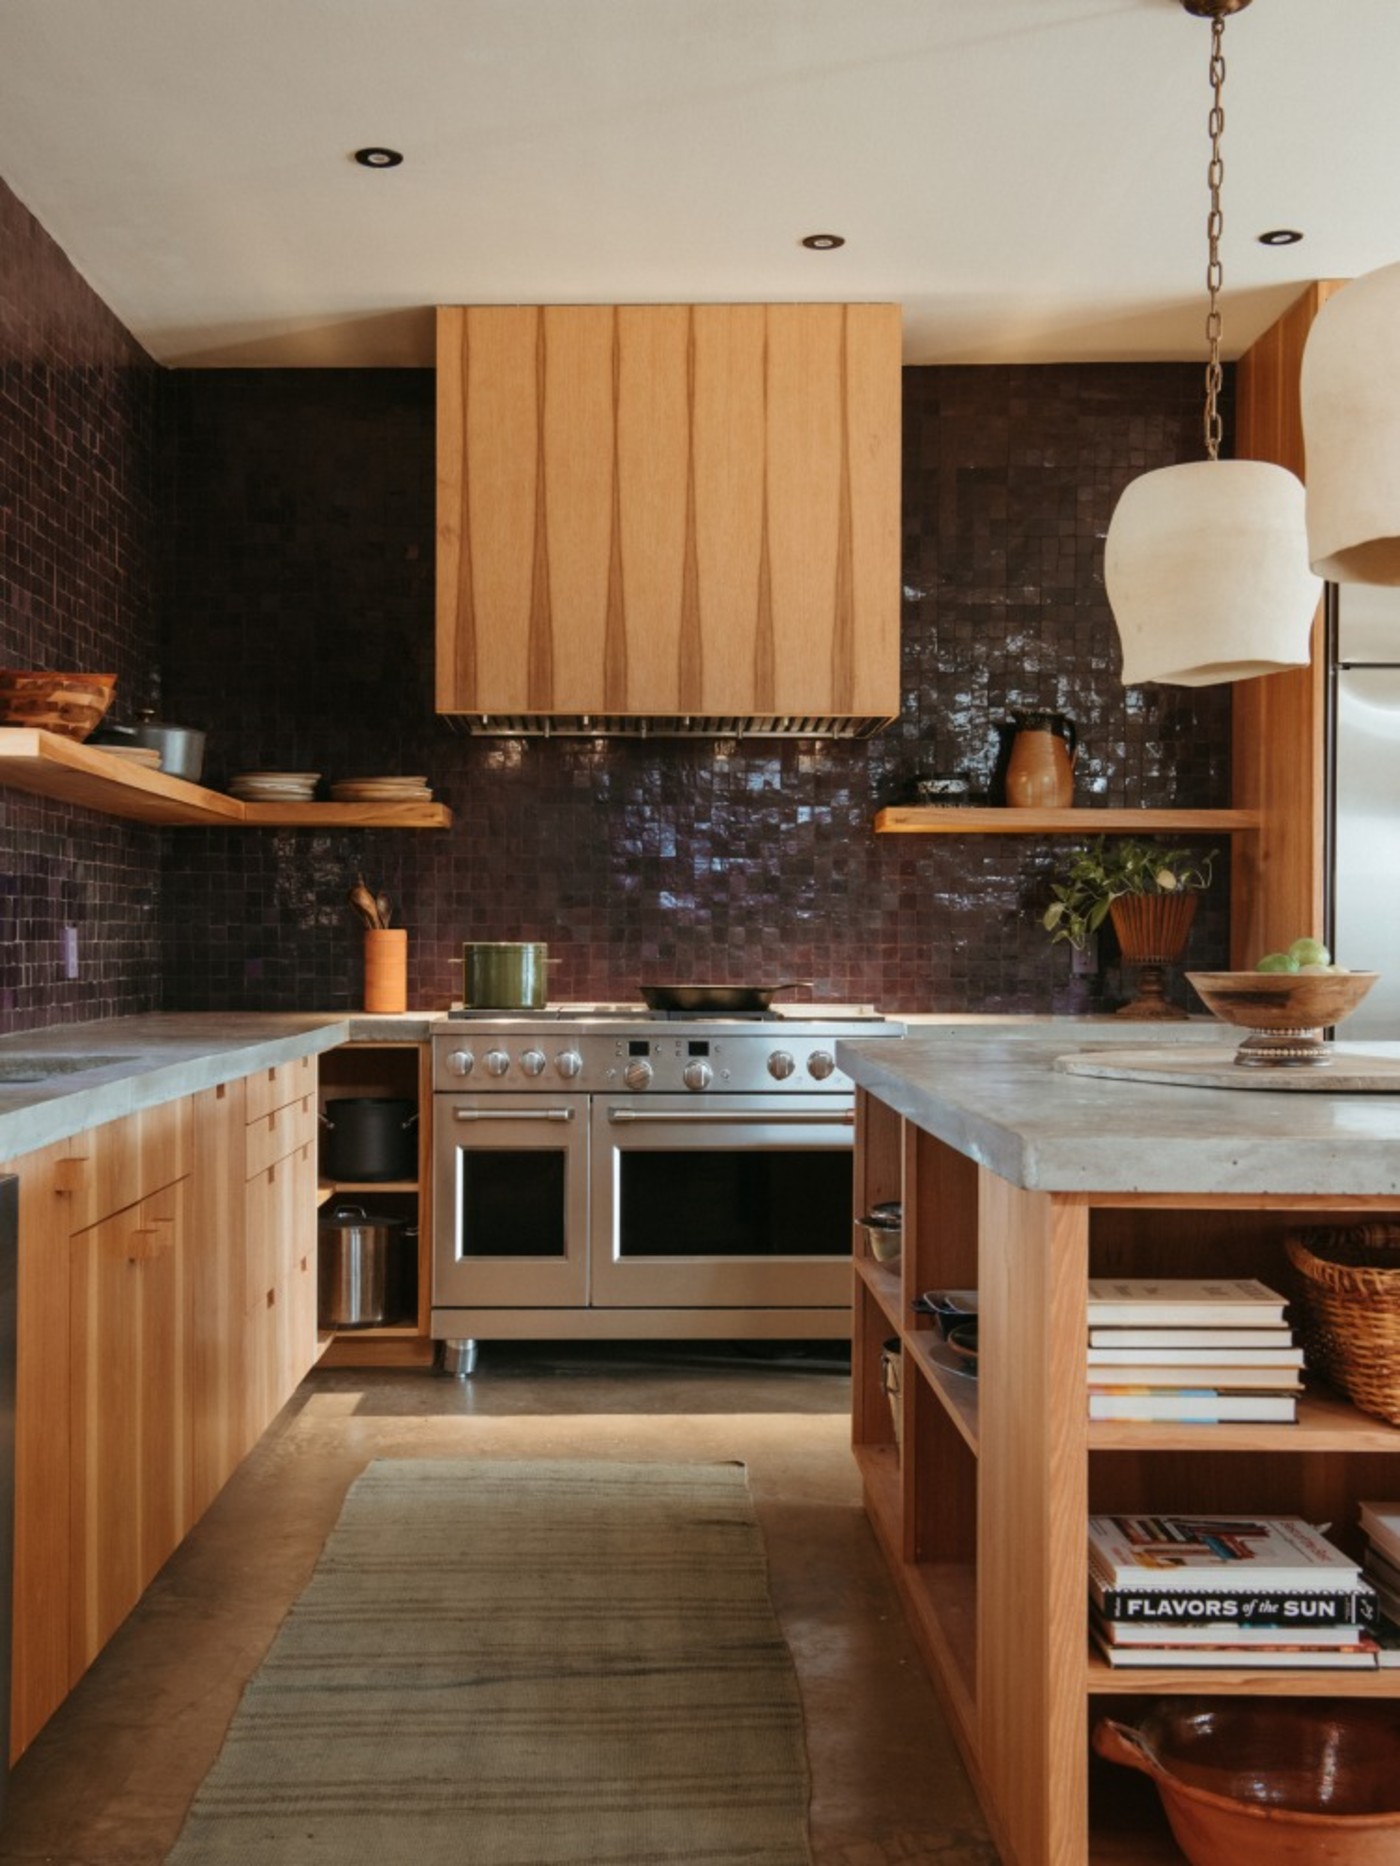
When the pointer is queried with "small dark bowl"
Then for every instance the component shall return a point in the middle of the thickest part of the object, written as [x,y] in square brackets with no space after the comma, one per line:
[948,1307]
[962,1341]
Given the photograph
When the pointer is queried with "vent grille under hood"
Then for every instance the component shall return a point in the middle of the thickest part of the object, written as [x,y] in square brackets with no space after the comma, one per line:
[662,726]
[669,520]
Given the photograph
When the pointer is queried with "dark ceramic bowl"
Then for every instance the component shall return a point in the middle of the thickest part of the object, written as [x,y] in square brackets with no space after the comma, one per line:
[962,1342]
[948,1307]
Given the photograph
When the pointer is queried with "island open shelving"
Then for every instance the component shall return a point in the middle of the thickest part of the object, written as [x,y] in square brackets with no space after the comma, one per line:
[46,765]
[981,1505]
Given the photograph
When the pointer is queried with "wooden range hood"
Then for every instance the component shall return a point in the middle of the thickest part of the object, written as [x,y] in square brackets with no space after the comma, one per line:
[669,519]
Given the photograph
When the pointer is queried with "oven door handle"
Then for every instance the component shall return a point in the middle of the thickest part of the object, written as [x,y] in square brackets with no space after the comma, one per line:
[512,1114]
[708,1118]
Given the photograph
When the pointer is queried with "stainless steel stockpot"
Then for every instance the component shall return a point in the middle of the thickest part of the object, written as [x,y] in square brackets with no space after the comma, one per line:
[505,975]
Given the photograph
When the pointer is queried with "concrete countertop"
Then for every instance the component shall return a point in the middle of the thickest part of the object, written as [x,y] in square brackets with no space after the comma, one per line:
[116,1066]
[994,1094]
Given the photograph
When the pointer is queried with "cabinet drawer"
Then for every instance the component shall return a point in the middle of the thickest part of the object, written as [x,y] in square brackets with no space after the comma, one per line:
[279,1133]
[110,1167]
[268,1089]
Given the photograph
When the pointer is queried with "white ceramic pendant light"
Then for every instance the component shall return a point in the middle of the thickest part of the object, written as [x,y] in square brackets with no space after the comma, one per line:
[1351,431]
[1206,564]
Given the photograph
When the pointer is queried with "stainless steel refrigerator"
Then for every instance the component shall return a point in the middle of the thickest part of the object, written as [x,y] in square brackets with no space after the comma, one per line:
[1363,923]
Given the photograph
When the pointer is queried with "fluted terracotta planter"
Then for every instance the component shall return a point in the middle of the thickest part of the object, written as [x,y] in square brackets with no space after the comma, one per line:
[1152,931]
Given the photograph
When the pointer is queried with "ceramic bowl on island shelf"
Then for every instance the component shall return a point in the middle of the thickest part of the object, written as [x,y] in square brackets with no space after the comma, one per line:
[1289,1783]
[1285,1012]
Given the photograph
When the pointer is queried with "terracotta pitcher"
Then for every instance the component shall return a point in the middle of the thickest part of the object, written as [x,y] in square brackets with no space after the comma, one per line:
[1041,772]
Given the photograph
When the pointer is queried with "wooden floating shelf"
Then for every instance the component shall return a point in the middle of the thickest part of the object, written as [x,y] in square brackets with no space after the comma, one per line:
[998,820]
[47,765]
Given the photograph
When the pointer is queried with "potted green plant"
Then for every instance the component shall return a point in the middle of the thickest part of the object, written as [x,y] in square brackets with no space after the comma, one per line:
[1148,891]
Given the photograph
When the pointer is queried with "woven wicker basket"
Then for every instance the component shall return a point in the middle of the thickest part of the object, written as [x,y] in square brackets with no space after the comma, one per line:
[1351,1325]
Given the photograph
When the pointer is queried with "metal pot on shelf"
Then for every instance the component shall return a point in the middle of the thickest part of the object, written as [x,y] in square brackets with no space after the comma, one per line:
[353,1266]
[369,1137]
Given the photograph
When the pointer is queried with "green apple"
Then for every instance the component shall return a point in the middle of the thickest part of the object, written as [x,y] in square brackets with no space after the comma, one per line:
[1277,962]
[1309,952]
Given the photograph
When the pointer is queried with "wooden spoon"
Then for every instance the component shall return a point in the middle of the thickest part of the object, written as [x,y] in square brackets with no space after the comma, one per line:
[364,903]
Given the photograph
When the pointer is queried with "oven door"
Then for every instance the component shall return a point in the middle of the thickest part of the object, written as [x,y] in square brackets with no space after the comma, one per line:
[510,1201]
[736,1201]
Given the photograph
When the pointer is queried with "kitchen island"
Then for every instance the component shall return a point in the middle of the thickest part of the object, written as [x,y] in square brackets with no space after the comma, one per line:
[1022,1182]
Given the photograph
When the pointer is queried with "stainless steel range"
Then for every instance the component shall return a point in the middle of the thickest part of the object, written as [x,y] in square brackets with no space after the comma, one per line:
[604,1171]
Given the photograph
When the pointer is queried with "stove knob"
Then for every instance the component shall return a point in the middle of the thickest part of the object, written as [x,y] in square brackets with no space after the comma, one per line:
[637,1075]
[780,1065]
[569,1064]
[461,1063]
[532,1062]
[821,1064]
[497,1062]
[697,1075]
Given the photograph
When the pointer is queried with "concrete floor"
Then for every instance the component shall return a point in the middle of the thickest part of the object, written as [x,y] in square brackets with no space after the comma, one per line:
[108,1781]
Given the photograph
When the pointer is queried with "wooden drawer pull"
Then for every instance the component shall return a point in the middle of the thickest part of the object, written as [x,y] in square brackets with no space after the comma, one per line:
[149,1241]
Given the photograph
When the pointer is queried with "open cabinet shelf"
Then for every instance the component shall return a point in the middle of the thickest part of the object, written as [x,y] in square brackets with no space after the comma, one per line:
[47,765]
[978,1490]
[399,1072]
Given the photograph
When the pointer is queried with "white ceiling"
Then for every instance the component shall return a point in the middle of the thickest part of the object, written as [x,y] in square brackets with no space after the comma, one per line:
[1026,177]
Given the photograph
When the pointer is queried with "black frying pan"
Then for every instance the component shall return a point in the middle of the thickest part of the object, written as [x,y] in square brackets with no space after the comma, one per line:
[715,997]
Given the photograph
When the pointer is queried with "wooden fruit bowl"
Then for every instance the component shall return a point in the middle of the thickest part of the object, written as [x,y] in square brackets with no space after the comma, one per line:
[71,705]
[1286,1011]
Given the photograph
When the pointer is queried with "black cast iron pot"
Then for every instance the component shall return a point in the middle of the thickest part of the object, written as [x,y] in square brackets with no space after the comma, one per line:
[369,1138]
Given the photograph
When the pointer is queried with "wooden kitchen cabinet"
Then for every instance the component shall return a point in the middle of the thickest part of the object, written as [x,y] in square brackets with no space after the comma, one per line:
[128,1477]
[279,1231]
[42,1668]
[400,1072]
[686,514]
[145,1369]
[982,1512]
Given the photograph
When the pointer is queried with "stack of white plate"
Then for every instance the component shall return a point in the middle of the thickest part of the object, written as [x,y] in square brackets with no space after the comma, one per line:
[274,786]
[382,790]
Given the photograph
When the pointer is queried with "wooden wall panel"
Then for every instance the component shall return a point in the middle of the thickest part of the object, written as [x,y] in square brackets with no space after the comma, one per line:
[1278,879]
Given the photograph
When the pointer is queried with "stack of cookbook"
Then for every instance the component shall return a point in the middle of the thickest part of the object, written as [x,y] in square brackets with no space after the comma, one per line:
[1205,1352]
[1242,1591]
[1381,1561]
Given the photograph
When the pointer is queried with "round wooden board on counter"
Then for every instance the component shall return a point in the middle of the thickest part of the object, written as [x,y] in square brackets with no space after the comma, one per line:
[1351,1072]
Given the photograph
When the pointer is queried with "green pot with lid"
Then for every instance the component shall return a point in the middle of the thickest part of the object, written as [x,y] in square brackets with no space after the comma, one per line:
[505,975]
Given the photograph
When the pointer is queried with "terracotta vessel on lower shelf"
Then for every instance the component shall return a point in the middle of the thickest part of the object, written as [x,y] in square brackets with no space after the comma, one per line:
[1293,1784]
[1152,932]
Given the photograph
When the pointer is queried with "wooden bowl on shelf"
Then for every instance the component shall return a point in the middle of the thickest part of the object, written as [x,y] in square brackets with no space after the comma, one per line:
[71,705]
[1285,1012]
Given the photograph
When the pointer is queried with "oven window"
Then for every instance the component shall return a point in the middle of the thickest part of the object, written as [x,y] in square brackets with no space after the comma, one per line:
[511,1202]
[750,1203]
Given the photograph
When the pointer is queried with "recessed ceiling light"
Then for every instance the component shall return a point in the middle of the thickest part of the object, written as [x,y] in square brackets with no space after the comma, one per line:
[1280,236]
[378,158]
[824,242]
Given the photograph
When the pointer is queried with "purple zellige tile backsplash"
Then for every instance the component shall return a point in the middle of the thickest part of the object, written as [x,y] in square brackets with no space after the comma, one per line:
[80,537]
[301,637]
[252,553]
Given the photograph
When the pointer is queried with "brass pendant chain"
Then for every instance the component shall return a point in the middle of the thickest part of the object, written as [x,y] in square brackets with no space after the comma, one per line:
[1215,222]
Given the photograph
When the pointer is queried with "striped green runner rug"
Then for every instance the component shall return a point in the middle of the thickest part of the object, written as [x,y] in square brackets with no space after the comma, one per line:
[520,1664]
